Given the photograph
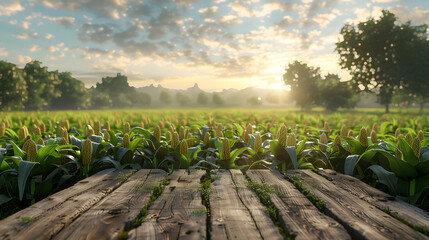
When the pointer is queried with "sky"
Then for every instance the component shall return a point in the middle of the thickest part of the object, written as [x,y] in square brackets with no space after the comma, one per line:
[218,44]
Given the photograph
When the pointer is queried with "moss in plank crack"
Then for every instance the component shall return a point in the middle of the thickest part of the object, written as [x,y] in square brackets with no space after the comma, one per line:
[421,229]
[263,191]
[320,204]
[156,192]
[206,191]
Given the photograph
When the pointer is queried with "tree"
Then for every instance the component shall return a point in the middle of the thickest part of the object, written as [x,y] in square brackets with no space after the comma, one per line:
[42,86]
[13,88]
[118,90]
[218,99]
[165,97]
[203,98]
[74,95]
[182,98]
[141,99]
[334,94]
[254,101]
[99,99]
[376,52]
[303,81]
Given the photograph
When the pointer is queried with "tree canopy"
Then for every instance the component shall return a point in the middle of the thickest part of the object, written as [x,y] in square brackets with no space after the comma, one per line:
[378,55]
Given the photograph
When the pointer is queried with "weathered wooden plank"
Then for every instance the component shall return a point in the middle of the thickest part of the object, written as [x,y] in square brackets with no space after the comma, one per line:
[119,210]
[378,198]
[53,213]
[178,213]
[230,219]
[297,215]
[250,200]
[361,219]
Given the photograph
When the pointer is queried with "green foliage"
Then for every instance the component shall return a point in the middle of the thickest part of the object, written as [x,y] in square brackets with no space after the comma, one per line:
[165,97]
[379,55]
[335,94]
[183,99]
[303,81]
[218,100]
[74,95]
[203,98]
[13,90]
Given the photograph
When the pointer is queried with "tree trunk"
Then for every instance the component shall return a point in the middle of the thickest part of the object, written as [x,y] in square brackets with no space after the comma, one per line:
[387,108]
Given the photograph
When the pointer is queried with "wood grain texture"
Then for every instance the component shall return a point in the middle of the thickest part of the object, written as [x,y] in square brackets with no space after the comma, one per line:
[378,198]
[297,215]
[116,212]
[361,219]
[178,213]
[230,219]
[57,211]
[257,210]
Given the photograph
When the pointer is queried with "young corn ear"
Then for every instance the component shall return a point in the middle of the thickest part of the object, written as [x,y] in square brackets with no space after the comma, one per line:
[42,126]
[249,129]
[351,133]
[90,132]
[343,131]
[65,124]
[323,139]
[219,132]
[397,132]
[107,126]
[142,124]
[157,133]
[40,142]
[368,131]
[373,137]
[184,148]
[31,150]
[36,130]
[336,143]
[363,137]
[168,136]
[127,127]
[175,140]
[190,139]
[182,132]
[23,133]
[374,127]
[416,146]
[398,153]
[106,136]
[2,129]
[226,149]
[421,135]
[291,140]
[326,127]
[126,141]
[86,152]
[282,135]
[258,142]
[97,127]
[206,139]
[409,139]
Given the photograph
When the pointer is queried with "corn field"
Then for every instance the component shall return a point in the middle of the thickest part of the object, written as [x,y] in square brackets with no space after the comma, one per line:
[44,152]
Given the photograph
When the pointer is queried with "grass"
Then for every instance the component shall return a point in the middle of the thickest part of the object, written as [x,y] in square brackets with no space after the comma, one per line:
[318,203]
[420,229]
[26,220]
[263,191]
[156,192]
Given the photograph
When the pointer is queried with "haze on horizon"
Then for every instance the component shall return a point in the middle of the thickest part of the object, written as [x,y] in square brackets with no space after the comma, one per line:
[176,43]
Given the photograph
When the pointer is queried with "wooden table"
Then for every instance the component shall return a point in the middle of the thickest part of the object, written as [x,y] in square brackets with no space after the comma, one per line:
[108,204]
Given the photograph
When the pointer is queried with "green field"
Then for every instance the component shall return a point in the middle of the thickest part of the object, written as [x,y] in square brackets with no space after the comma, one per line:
[43,152]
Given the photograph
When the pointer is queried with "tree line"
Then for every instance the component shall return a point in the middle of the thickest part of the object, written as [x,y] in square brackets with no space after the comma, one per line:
[36,88]
[384,57]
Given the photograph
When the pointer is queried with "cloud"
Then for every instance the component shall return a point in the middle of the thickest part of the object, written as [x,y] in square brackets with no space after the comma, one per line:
[10,8]
[25,24]
[49,36]
[98,33]
[3,52]
[24,59]
[33,48]
[388,1]
[417,15]
[66,22]
[208,12]
[285,22]
[27,35]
